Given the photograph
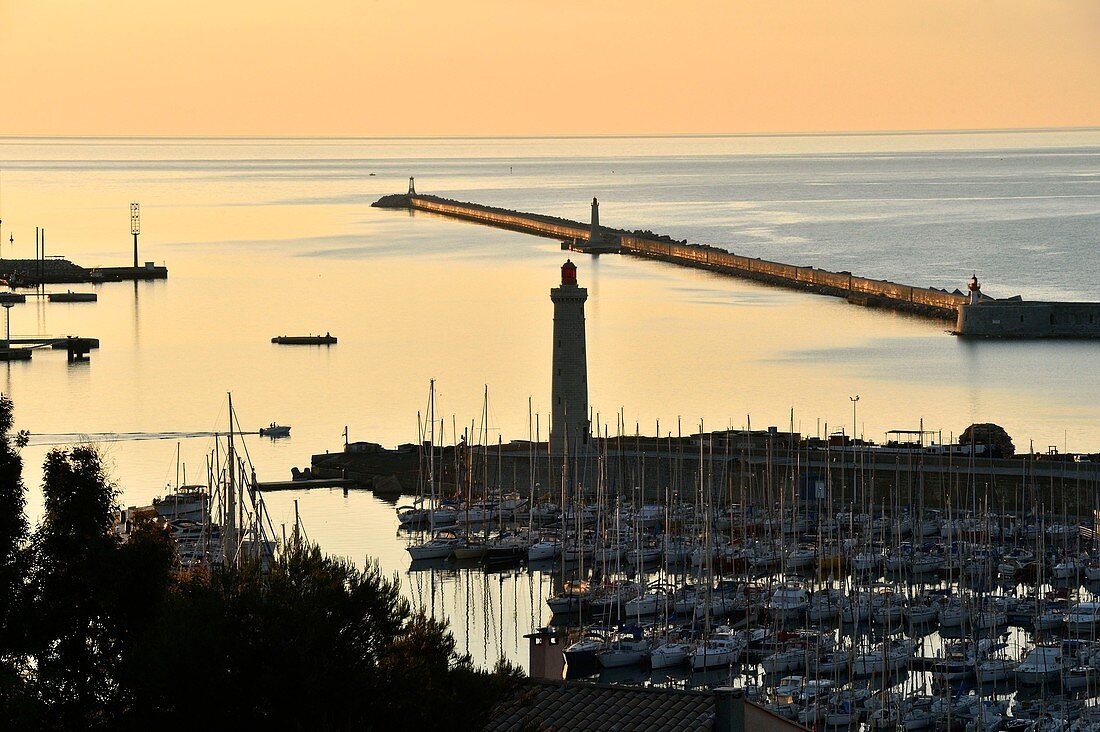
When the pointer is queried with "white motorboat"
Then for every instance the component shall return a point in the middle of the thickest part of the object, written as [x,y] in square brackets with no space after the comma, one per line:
[722,649]
[1065,569]
[1042,665]
[275,430]
[188,503]
[1084,617]
[789,601]
[1081,677]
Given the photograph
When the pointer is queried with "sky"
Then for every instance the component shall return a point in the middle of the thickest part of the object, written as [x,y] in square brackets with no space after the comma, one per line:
[489,67]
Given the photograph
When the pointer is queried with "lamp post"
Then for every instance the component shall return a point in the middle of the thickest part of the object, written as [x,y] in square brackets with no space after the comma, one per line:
[854,399]
[855,474]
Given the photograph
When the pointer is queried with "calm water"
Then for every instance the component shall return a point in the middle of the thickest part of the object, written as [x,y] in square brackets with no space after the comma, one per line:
[270,237]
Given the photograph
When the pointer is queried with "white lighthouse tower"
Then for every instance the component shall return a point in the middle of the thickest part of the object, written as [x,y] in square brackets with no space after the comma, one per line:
[569,427]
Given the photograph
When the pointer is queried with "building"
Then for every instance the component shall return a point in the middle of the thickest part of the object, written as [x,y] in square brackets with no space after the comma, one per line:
[584,705]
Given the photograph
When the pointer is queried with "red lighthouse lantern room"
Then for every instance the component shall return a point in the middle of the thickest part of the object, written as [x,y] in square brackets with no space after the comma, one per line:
[569,273]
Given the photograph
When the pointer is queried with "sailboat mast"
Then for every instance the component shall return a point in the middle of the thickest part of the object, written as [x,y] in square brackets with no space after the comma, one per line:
[230,541]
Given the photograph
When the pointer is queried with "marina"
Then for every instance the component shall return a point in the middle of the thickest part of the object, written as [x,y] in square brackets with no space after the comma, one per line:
[750,387]
[754,352]
[882,609]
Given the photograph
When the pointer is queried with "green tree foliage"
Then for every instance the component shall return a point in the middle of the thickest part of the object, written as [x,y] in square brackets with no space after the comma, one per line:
[13,565]
[75,559]
[315,644]
[993,435]
[116,634]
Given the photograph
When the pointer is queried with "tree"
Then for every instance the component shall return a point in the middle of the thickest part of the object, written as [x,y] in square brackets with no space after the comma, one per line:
[117,634]
[992,435]
[13,567]
[75,561]
[315,644]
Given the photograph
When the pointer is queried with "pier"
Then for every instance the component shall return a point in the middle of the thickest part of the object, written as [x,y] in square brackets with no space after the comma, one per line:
[291,485]
[926,301]
[60,271]
[979,318]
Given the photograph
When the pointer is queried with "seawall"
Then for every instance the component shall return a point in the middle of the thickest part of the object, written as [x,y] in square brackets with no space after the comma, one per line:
[858,290]
[929,302]
[60,271]
[1024,319]
[750,469]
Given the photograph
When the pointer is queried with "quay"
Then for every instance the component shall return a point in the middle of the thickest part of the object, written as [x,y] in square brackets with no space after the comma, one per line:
[20,349]
[60,271]
[290,485]
[979,317]
[746,467]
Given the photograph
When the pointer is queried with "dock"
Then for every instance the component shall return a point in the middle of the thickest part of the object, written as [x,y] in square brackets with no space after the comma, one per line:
[291,485]
[20,349]
[72,296]
[309,340]
[61,271]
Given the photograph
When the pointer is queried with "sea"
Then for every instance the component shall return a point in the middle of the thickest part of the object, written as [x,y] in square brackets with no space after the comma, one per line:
[267,237]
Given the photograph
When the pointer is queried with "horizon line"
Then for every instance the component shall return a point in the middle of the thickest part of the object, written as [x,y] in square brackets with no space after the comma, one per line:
[559,136]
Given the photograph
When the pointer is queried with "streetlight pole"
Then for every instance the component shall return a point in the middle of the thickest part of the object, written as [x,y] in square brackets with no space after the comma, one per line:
[855,474]
[854,400]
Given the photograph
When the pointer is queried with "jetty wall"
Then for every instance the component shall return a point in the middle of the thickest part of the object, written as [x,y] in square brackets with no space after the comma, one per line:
[755,476]
[61,271]
[528,223]
[1023,319]
[859,290]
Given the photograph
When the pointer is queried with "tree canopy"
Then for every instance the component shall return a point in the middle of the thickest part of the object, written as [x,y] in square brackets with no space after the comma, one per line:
[992,435]
[104,633]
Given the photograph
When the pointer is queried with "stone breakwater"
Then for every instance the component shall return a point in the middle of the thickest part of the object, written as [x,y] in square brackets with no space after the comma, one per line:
[988,318]
[929,302]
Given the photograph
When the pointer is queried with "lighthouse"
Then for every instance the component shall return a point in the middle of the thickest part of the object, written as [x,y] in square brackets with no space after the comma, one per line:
[975,290]
[594,236]
[569,426]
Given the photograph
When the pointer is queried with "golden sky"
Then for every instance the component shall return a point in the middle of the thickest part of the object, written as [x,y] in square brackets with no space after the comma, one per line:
[481,67]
